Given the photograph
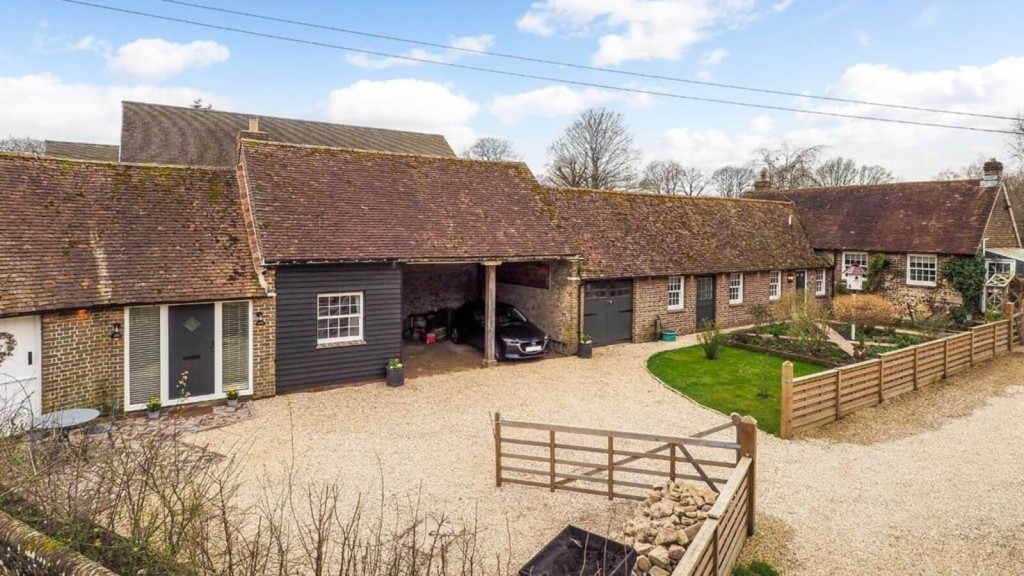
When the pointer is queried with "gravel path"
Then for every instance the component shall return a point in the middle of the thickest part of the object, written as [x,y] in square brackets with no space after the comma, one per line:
[945,500]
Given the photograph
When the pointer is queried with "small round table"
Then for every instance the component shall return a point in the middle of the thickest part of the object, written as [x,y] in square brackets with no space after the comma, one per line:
[66,420]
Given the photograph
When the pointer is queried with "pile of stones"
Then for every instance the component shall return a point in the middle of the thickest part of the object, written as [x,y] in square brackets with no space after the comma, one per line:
[664,525]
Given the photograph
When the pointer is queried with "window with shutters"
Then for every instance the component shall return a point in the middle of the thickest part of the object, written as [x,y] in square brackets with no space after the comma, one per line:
[143,354]
[235,345]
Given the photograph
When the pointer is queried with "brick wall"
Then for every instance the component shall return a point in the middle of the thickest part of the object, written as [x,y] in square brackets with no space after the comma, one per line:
[429,286]
[82,366]
[1000,232]
[924,300]
[264,342]
[650,302]
[554,309]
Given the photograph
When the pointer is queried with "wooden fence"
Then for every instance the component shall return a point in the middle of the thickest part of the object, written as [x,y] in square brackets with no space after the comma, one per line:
[568,452]
[818,399]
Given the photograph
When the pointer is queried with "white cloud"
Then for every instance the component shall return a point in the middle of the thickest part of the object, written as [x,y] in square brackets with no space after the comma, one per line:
[558,100]
[44,106]
[405,104]
[90,44]
[155,59]
[709,60]
[927,17]
[863,38]
[636,29]
[782,6]
[480,42]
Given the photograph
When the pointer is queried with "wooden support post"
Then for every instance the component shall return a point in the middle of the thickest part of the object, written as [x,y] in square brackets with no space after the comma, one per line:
[746,437]
[672,463]
[497,448]
[916,350]
[490,288]
[839,395]
[551,453]
[611,467]
[786,407]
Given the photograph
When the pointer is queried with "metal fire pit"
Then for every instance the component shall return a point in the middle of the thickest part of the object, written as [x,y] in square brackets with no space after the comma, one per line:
[576,552]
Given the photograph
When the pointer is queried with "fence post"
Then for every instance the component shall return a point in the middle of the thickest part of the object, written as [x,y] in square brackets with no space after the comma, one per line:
[497,448]
[746,437]
[839,393]
[786,402]
[972,347]
[945,358]
[1008,310]
[881,379]
[916,350]
[611,467]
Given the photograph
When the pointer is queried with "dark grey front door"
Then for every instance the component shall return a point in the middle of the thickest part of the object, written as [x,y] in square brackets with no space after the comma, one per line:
[705,300]
[190,342]
[801,280]
[608,312]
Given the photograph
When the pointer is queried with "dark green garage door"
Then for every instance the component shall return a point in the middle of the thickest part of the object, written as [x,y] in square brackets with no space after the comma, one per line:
[608,312]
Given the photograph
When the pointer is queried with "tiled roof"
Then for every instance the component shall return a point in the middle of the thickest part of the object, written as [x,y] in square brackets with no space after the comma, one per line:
[329,204]
[946,217]
[81,151]
[77,234]
[626,234]
[197,137]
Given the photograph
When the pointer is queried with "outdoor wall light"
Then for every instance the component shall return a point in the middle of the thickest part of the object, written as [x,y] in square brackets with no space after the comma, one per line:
[790,277]
[259,319]
[115,330]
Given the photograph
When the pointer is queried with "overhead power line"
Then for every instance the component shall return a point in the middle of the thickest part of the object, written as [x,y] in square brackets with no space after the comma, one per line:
[531,76]
[603,69]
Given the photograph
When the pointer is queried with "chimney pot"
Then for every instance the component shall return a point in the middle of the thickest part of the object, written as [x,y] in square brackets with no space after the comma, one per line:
[254,124]
[993,173]
[763,183]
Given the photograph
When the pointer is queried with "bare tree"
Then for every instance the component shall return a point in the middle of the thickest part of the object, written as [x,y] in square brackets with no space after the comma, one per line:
[733,181]
[671,177]
[595,151]
[790,167]
[22,144]
[1017,140]
[973,171]
[494,149]
[841,171]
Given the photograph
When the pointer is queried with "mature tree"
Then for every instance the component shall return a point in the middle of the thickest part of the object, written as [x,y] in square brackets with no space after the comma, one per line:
[22,144]
[973,171]
[790,167]
[733,181]
[1017,140]
[494,149]
[198,104]
[671,177]
[841,171]
[595,151]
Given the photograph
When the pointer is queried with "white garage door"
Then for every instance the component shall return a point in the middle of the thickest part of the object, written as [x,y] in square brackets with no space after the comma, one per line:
[20,383]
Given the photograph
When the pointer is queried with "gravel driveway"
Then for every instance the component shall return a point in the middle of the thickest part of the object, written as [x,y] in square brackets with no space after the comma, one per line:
[944,501]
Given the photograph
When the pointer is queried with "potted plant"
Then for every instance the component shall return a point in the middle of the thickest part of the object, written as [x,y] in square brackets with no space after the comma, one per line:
[232,395]
[153,406]
[586,349]
[396,372]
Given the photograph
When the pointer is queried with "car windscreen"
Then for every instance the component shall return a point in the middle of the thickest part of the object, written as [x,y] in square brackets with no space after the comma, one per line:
[509,316]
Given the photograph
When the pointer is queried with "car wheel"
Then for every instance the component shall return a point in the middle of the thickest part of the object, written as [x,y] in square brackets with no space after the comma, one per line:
[499,351]
[456,336]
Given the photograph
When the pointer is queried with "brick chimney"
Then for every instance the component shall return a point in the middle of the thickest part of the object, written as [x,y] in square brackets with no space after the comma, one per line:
[993,173]
[762,182]
[253,133]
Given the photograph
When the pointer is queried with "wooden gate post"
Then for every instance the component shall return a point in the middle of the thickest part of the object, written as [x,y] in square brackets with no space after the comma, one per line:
[497,448]
[786,402]
[746,437]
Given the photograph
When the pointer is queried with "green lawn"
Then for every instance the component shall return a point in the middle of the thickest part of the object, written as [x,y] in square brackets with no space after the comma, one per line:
[731,383]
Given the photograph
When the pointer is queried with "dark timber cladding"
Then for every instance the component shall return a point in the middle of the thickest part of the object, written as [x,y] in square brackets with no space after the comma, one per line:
[300,362]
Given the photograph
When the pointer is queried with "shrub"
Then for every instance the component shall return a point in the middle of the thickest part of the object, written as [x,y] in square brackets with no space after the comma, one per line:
[807,318]
[994,315]
[777,329]
[877,268]
[966,276]
[959,314]
[755,568]
[863,309]
[840,288]
[761,315]
[711,339]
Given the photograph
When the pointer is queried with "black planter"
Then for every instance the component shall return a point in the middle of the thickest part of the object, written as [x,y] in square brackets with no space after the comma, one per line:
[575,551]
[585,350]
[396,378]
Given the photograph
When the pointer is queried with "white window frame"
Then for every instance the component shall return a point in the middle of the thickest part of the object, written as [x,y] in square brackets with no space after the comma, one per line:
[990,261]
[165,383]
[342,339]
[775,284]
[819,282]
[678,291]
[739,288]
[846,263]
[926,283]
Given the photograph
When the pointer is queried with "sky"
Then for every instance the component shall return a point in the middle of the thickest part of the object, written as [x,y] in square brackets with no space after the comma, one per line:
[65,68]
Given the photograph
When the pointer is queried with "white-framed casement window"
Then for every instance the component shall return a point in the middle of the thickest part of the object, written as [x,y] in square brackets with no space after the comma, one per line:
[339,317]
[775,284]
[676,293]
[922,269]
[736,288]
[819,282]
[993,267]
